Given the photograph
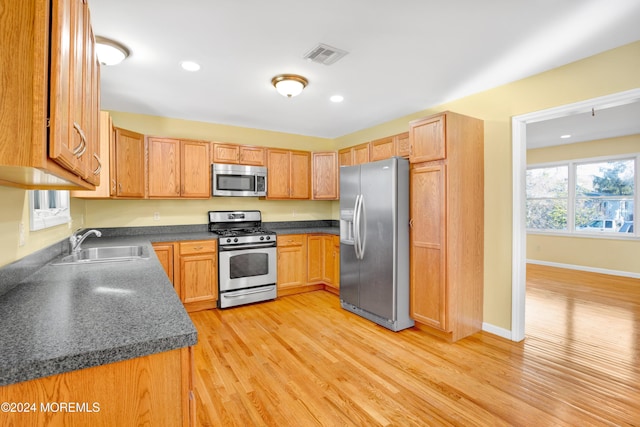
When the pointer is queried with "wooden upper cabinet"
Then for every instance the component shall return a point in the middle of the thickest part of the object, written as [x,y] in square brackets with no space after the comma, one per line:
[128,168]
[403,145]
[238,154]
[361,154]
[105,140]
[427,138]
[49,95]
[178,168]
[325,185]
[195,169]
[300,175]
[164,167]
[288,174]
[383,148]
[345,157]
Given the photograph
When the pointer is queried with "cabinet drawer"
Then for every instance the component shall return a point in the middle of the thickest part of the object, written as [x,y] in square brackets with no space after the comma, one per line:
[198,247]
[291,240]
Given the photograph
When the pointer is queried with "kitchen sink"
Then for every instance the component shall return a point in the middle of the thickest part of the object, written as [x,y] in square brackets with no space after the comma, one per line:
[105,254]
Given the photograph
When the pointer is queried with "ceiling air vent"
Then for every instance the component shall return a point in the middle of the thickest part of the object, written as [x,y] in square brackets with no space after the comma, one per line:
[324,54]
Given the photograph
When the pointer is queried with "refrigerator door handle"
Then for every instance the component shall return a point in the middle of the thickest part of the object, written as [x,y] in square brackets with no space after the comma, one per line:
[362,238]
[356,227]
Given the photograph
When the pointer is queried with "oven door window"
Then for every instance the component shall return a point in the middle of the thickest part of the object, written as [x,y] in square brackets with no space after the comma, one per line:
[248,265]
[236,182]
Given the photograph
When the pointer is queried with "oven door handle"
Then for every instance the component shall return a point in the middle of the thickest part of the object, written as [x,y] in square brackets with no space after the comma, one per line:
[244,293]
[242,247]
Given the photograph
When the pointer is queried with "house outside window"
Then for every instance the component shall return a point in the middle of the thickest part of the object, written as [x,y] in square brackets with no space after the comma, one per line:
[587,196]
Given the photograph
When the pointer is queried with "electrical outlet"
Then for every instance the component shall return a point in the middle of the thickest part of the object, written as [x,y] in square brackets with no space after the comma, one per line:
[293,213]
[156,216]
[21,237]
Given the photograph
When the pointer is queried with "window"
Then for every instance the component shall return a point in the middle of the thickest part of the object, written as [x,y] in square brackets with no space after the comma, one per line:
[591,196]
[48,208]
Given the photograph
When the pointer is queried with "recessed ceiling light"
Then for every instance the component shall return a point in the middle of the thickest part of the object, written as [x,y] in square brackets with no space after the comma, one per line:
[337,98]
[190,65]
[565,136]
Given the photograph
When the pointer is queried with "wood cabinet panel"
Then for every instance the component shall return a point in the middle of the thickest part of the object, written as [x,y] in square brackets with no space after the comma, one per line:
[345,157]
[383,148]
[198,274]
[195,175]
[447,217]
[49,108]
[148,390]
[241,154]
[403,144]
[292,261]
[288,174]
[164,167]
[102,191]
[165,253]
[428,139]
[325,180]
[128,168]
[315,258]
[278,164]
[300,175]
[361,154]
[428,207]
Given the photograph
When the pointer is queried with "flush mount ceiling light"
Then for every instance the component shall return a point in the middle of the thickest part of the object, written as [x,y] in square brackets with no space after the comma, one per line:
[110,52]
[289,85]
[190,66]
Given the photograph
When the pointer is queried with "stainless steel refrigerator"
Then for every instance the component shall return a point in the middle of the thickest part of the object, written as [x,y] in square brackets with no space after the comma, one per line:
[374,242]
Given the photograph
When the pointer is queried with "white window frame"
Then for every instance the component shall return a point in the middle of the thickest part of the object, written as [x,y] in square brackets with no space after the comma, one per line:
[48,217]
[571,229]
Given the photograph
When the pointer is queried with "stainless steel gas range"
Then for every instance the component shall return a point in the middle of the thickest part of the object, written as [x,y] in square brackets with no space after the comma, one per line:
[247,269]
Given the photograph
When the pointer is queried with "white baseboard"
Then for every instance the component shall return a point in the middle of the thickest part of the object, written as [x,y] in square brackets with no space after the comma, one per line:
[585,268]
[495,330]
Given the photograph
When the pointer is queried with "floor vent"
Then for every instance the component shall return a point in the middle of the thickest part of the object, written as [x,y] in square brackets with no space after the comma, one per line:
[324,54]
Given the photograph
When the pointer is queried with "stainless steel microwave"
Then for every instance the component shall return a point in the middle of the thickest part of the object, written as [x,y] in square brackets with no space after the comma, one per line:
[238,180]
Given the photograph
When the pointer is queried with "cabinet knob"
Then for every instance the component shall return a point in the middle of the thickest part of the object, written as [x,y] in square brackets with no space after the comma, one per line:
[198,248]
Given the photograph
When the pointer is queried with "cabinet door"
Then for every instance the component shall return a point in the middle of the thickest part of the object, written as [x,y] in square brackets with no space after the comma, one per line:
[66,132]
[336,256]
[345,157]
[428,245]
[278,174]
[427,138]
[128,177]
[164,252]
[403,146]
[195,169]
[329,260]
[164,167]
[198,276]
[105,141]
[253,156]
[325,175]
[383,148]
[226,153]
[300,175]
[315,256]
[361,154]
[91,112]
[292,261]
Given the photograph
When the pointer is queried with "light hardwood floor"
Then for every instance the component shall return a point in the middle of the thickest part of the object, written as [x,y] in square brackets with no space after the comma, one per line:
[303,361]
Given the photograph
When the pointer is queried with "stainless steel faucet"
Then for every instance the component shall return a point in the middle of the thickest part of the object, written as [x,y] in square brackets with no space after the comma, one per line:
[77,240]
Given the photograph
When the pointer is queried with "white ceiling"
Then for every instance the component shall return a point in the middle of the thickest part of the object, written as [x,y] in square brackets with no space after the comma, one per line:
[404,56]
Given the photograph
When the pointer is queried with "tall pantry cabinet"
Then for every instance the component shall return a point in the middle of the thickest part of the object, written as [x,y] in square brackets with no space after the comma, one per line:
[447,224]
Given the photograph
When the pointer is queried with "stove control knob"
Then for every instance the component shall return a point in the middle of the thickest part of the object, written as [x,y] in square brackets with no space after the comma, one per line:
[261,237]
[235,239]
[268,237]
[228,240]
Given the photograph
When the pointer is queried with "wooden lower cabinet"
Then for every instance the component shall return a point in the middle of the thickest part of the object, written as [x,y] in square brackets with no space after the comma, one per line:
[192,267]
[292,263]
[154,390]
[323,261]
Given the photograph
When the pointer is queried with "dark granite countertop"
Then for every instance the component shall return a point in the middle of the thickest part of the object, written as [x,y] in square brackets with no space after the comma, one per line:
[67,317]
[60,318]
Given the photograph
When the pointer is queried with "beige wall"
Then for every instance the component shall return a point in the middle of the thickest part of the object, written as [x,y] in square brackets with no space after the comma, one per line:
[610,72]
[608,254]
